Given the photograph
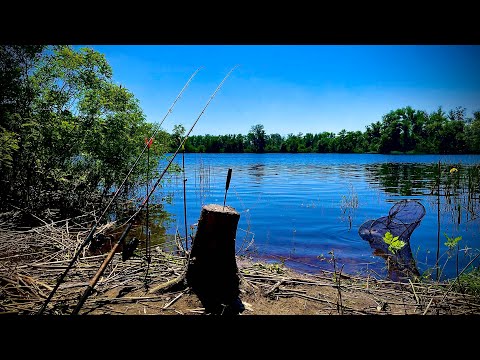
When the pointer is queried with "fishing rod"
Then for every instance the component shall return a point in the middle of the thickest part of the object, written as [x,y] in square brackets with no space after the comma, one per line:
[185,199]
[129,222]
[94,227]
[148,254]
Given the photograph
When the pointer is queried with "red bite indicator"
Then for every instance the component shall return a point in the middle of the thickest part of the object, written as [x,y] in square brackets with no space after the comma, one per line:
[148,142]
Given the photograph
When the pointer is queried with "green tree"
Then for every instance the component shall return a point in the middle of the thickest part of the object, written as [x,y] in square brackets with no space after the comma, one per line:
[391,130]
[341,144]
[326,142]
[78,133]
[293,142]
[372,135]
[452,140]
[274,143]
[433,131]
[308,140]
[473,133]
[257,138]
[177,136]
[16,95]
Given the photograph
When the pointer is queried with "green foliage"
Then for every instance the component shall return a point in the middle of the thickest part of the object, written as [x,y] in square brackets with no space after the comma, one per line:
[452,242]
[277,268]
[257,138]
[393,243]
[472,133]
[177,136]
[8,145]
[401,131]
[69,134]
[468,283]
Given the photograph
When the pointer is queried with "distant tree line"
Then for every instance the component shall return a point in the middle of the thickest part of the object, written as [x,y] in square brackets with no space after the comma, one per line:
[69,134]
[404,130]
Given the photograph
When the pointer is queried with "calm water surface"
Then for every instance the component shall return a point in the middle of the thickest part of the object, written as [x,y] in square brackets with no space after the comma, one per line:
[299,207]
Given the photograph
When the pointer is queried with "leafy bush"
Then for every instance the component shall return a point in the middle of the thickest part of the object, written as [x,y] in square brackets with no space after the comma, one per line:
[68,133]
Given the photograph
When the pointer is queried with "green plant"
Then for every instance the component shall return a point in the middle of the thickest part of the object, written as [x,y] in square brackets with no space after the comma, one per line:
[469,283]
[452,242]
[393,243]
[348,205]
[278,268]
[69,133]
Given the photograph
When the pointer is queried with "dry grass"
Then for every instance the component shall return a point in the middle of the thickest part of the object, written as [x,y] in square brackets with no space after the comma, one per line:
[31,260]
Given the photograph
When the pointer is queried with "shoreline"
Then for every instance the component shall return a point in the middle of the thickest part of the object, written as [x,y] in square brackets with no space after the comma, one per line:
[28,276]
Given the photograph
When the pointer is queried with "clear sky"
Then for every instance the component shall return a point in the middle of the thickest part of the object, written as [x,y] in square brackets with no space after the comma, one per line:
[294,88]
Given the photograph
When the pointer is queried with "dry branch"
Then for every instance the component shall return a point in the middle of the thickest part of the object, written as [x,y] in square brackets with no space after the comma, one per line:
[31,259]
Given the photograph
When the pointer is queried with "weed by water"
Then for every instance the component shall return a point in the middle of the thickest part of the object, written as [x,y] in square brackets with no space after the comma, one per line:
[348,205]
[276,267]
[393,243]
[468,283]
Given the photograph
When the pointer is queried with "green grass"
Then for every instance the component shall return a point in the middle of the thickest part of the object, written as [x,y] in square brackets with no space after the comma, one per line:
[469,283]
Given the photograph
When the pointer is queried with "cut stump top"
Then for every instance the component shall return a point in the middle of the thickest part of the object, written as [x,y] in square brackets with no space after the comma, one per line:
[220,209]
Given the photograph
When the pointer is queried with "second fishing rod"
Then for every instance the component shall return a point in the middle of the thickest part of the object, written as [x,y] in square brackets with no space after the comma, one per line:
[90,235]
[132,218]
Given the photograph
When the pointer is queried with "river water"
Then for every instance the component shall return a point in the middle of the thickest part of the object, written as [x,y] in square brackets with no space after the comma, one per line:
[303,209]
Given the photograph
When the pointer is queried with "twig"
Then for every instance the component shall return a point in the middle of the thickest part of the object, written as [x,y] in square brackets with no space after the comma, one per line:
[178,242]
[197,310]
[339,301]
[168,285]
[428,306]
[414,292]
[174,299]
[126,299]
[273,288]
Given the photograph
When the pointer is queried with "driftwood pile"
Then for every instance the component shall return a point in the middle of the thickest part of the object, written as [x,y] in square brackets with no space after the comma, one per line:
[32,259]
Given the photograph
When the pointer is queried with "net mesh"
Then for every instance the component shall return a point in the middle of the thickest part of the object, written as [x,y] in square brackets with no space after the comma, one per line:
[402,219]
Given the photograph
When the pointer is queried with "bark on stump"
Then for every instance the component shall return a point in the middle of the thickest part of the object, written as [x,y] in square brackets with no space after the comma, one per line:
[212,271]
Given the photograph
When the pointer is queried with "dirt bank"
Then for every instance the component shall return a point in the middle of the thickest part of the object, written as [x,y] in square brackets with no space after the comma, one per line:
[31,261]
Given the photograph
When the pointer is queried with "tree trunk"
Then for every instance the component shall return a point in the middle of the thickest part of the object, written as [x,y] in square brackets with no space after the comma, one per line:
[212,271]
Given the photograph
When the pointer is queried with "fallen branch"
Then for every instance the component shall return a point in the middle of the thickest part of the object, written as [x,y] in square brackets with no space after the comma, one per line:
[172,301]
[273,288]
[168,285]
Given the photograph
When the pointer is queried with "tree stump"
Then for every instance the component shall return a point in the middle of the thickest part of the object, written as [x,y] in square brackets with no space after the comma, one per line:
[212,271]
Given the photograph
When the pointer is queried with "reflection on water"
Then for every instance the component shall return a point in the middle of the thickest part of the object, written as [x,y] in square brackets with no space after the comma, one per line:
[257,170]
[295,206]
[159,221]
[402,179]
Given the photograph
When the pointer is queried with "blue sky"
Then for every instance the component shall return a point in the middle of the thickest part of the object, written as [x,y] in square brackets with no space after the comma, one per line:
[294,88]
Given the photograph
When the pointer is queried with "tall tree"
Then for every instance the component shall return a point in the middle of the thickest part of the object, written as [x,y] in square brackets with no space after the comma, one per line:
[473,133]
[274,143]
[257,138]
[391,130]
[16,95]
[78,136]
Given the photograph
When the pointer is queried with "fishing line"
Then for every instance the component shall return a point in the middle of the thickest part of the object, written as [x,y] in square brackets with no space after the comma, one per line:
[129,222]
[94,227]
